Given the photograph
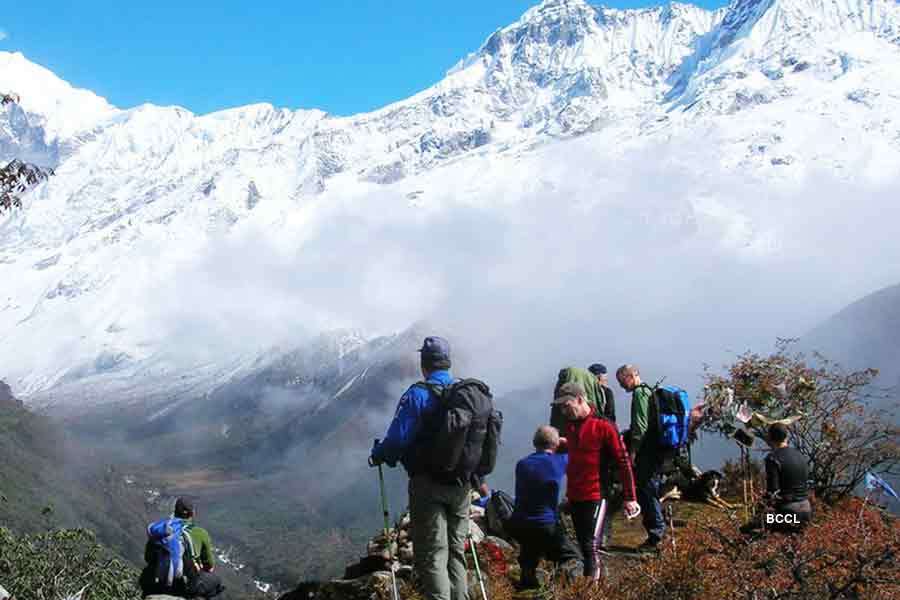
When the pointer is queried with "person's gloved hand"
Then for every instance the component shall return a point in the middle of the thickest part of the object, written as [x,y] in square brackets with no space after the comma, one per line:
[632,509]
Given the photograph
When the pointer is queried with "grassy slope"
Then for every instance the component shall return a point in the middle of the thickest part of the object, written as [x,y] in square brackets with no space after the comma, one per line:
[41,469]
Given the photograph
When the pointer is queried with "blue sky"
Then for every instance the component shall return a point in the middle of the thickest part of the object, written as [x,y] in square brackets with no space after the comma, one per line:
[342,56]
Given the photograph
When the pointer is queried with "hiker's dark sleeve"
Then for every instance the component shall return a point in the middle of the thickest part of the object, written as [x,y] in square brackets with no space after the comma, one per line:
[773,475]
[148,552]
[404,427]
[640,415]
[610,403]
[614,449]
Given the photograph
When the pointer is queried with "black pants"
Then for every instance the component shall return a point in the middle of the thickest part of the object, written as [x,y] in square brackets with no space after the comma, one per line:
[537,541]
[588,530]
[648,479]
[615,500]
[202,585]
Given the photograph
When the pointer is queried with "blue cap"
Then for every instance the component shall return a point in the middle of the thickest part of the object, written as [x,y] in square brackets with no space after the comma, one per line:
[597,369]
[435,348]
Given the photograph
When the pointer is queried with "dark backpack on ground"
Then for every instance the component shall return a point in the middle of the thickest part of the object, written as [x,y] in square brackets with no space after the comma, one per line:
[673,410]
[499,511]
[464,432]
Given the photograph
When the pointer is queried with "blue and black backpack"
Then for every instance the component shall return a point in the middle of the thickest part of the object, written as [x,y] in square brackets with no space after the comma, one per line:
[673,409]
[171,554]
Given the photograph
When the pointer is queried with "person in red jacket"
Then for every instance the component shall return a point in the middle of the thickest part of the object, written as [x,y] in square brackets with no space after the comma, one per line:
[592,442]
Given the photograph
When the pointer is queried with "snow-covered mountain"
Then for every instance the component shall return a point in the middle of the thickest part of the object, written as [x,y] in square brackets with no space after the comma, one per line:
[774,91]
[50,118]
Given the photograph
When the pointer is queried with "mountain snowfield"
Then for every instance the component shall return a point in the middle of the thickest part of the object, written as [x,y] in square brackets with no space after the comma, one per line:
[172,252]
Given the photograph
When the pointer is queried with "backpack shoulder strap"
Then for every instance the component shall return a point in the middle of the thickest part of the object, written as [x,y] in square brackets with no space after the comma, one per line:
[188,540]
[435,388]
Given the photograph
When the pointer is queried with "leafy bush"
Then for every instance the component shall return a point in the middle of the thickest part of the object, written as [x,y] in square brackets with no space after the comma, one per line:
[63,563]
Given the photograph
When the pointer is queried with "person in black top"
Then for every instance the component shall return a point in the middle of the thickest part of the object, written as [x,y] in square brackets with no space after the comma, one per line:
[610,483]
[787,473]
[599,371]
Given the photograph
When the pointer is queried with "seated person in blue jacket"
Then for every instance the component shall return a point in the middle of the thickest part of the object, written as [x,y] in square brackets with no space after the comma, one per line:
[535,523]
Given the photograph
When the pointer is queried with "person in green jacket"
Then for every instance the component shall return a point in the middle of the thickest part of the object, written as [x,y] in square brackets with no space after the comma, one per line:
[645,452]
[200,581]
[201,543]
[594,395]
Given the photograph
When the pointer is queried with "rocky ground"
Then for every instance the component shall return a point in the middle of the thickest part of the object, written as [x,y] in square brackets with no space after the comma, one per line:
[369,579]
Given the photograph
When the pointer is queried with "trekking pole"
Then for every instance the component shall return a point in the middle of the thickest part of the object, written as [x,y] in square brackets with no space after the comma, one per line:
[477,567]
[670,513]
[387,529]
[744,482]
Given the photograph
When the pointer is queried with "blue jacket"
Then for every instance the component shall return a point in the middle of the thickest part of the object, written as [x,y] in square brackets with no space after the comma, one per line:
[538,482]
[417,403]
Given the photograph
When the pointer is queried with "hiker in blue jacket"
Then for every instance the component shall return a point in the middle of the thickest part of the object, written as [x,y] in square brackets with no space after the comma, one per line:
[414,405]
[439,511]
[535,522]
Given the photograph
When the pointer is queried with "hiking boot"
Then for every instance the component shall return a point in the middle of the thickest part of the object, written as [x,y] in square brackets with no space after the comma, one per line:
[649,545]
[527,583]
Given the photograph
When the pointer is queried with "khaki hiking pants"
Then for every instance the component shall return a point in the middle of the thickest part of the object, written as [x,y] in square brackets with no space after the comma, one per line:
[439,518]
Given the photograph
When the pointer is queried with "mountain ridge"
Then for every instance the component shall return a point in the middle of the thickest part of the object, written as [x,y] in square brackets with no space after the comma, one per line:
[132,186]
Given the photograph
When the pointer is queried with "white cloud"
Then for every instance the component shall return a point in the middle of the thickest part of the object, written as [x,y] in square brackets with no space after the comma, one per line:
[564,257]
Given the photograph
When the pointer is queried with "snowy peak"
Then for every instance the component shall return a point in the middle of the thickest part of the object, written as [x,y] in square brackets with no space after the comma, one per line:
[564,22]
[62,110]
[767,35]
[43,119]
[571,49]
[801,17]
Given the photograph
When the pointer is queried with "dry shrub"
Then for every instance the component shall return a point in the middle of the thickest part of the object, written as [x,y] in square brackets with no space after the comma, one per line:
[845,429]
[849,552]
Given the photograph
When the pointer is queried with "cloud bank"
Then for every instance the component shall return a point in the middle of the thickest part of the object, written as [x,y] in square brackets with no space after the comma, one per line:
[563,256]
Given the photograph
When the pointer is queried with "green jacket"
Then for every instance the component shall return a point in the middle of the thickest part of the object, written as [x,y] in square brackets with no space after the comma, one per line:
[592,390]
[643,420]
[201,545]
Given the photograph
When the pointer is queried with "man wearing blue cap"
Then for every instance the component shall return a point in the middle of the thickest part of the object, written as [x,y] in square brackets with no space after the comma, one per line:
[439,511]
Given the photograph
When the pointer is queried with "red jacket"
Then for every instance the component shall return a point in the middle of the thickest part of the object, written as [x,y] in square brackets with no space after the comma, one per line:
[592,444]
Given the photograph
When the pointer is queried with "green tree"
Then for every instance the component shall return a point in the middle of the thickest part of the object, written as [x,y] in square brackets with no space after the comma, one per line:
[63,563]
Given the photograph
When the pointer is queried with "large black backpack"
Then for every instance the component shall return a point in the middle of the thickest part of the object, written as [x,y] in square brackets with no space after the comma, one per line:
[465,430]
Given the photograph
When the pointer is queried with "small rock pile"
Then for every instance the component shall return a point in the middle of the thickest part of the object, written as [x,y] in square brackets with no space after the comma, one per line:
[370,576]
[398,545]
